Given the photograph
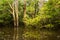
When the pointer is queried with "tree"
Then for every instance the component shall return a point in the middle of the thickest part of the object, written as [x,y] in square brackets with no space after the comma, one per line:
[16,18]
[14,8]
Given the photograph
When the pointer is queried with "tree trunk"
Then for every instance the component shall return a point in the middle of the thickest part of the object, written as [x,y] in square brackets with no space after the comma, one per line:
[24,8]
[14,12]
[16,18]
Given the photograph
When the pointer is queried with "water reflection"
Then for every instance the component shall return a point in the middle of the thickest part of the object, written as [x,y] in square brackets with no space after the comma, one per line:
[6,33]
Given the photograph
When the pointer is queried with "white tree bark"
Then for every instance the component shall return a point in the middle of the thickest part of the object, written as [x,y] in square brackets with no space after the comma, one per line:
[14,13]
[16,18]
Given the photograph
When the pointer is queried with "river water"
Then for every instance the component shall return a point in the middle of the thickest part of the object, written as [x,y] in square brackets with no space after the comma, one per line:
[6,33]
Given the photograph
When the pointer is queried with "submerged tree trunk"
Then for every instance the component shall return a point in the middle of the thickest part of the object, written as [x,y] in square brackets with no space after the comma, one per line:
[16,18]
[24,15]
[14,13]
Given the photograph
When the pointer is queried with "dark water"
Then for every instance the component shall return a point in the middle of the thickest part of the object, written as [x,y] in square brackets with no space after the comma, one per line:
[6,33]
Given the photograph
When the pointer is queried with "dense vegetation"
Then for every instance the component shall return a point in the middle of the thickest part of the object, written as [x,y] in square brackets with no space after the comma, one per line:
[47,16]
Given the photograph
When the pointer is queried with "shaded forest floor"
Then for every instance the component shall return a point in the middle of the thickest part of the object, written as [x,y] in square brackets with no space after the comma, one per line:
[6,33]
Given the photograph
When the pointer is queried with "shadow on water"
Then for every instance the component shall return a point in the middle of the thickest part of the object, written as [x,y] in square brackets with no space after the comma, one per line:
[6,33]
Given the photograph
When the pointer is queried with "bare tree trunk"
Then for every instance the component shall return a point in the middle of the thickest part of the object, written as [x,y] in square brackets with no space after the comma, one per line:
[16,18]
[24,15]
[24,8]
[16,13]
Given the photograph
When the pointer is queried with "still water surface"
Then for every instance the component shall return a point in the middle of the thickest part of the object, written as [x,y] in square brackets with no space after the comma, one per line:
[6,33]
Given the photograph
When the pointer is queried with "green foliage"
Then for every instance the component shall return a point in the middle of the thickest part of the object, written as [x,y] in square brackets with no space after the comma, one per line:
[51,9]
[5,16]
[31,35]
[47,16]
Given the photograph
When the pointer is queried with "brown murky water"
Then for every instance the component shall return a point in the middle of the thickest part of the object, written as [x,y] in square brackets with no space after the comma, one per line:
[6,33]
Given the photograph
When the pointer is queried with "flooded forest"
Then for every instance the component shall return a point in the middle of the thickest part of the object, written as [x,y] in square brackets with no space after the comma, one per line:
[29,19]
